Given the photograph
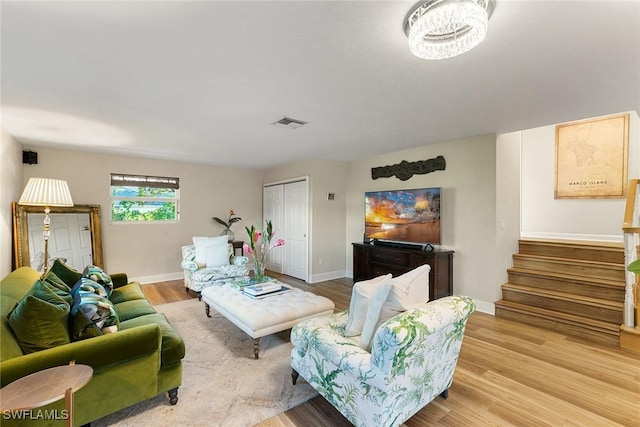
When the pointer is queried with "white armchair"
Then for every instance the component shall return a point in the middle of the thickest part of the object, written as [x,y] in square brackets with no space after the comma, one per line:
[412,361]
[197,276]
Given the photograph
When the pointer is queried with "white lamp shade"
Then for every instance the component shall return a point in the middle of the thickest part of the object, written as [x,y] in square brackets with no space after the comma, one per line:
[46,192]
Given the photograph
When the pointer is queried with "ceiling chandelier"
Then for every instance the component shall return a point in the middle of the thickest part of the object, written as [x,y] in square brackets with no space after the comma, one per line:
[441,29]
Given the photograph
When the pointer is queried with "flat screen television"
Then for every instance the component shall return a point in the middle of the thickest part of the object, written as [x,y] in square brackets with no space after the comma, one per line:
[406,216]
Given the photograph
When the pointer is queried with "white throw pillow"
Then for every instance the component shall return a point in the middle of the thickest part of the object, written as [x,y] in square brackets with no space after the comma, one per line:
[373,312]
[217,255]
[360,295]
[407,291]
[202,243]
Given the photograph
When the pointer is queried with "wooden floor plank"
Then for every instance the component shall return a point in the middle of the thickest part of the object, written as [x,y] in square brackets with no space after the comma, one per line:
[508,374]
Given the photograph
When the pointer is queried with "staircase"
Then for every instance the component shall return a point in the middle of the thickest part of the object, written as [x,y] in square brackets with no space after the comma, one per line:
[573,287]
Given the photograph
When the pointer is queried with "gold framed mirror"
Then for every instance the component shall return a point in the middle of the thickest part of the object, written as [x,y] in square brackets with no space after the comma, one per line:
[21,231]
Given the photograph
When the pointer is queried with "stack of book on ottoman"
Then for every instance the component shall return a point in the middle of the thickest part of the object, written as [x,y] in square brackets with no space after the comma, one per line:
[264,290]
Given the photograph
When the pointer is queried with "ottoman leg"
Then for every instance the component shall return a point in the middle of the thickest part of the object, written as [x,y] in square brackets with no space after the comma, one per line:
[256,347]
[207,309]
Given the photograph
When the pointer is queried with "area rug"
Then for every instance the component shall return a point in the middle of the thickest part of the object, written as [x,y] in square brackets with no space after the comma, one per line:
[222,383]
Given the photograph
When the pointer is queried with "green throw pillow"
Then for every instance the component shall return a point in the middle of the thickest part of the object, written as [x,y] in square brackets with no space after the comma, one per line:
[59,286]
[40,319]
[92,315]
[65,272]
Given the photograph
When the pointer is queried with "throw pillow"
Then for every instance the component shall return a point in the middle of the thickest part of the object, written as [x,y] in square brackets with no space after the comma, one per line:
[59,287]
[65,272]
[373,312]
[217,255]
[98,275]
[91,316]
[40,319]
[360,295]
[202,243]
[407,291]
[88,286]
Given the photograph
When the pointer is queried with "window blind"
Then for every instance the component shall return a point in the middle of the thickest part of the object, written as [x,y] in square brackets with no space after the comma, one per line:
[145,181]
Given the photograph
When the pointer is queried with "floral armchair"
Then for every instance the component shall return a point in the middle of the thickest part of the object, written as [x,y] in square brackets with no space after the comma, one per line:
[197,278]
[412,361]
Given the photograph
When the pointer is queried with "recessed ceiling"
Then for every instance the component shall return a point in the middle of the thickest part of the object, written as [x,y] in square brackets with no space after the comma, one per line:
[203,81]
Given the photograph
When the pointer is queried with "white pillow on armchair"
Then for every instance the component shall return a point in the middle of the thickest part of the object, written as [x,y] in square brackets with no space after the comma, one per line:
[203,243]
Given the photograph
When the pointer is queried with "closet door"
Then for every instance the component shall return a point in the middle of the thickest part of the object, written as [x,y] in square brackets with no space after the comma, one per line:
[296,209]
[273,210]
[287,206]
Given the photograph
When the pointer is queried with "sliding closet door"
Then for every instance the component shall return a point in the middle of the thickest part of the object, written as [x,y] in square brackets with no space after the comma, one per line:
[287,205]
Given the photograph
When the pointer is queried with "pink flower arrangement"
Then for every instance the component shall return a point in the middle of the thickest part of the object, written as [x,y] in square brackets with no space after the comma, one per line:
[259,247]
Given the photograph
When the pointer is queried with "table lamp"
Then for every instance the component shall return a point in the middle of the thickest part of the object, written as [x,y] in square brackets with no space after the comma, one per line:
[46,192]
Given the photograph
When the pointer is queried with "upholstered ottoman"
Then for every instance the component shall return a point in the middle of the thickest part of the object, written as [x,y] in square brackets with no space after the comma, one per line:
[261,317]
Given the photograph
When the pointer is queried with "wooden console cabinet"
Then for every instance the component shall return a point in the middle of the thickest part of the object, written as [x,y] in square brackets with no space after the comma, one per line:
[370,261]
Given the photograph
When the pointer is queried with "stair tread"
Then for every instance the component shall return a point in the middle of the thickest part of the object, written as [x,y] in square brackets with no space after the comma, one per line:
[568,277]
[599,302]
[559,260]
[599,245]
[557,316]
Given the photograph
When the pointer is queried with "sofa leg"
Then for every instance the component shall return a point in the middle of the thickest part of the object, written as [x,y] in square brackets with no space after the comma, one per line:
[173,396]
[445,394]
[207,309]
[294,375]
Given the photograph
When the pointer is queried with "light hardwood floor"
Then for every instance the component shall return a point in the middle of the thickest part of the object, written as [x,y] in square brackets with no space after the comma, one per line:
[508,374]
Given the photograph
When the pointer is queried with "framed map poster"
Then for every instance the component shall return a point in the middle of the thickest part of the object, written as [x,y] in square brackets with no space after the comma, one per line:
[591,158]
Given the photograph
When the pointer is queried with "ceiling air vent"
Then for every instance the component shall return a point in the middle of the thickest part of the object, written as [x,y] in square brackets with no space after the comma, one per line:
[289,123]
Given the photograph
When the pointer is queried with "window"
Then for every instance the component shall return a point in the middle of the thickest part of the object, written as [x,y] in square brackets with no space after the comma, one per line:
[139,198]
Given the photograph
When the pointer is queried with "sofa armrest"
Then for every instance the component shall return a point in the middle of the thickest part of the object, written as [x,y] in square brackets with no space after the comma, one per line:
[119,279]
[239,260]
[432,330]
[324,336]
[189,265]
[98,352]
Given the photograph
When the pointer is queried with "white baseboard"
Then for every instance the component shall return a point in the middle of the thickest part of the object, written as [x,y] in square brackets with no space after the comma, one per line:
[321,277]
[158,278]
[485,307]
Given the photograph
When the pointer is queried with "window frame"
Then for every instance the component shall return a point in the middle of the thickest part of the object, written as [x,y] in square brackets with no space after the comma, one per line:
[144,181]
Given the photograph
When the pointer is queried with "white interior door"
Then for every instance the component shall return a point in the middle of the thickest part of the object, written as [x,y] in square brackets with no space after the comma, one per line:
[287,205]
[296,229]
[273,210]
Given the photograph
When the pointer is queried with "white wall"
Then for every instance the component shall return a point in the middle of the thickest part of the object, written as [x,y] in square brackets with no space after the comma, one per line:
[10,191]
[581,219]
[327,217]
[468,208]
[151,252]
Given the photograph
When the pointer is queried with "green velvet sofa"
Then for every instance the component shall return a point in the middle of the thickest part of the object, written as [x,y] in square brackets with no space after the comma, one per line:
[138,362]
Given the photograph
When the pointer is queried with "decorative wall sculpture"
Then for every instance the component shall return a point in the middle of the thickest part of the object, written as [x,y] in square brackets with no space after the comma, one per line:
[405,170]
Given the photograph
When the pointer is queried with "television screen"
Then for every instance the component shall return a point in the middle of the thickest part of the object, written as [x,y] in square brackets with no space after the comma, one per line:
[403,215]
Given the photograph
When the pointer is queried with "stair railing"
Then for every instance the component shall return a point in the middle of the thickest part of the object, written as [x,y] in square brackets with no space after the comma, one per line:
[631,229]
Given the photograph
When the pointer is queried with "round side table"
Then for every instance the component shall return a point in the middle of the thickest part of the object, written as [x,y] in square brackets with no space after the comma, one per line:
[44,387]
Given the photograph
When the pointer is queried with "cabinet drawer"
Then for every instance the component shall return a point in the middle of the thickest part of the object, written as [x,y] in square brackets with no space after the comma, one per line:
[381,270]
[400,259]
